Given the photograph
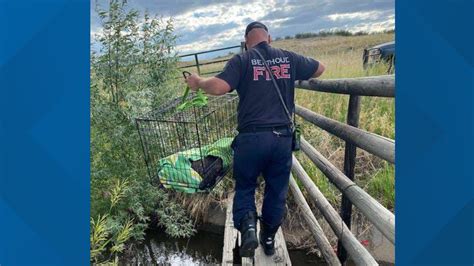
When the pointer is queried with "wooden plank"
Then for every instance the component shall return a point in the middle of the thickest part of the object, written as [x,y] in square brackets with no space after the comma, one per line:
[321,240]
[358,252]
[383,219]
[350,152]
[373,143]
[230,235]
[245,261]
[281,256]
[381,86]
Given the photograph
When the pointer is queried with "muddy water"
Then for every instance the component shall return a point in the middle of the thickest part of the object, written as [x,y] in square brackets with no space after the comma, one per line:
[202,249]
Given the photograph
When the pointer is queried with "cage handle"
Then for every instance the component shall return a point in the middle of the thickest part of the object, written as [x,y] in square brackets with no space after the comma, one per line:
[186,74]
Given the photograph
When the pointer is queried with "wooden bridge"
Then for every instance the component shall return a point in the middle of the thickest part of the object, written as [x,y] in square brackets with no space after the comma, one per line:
[378,215]
[232,242]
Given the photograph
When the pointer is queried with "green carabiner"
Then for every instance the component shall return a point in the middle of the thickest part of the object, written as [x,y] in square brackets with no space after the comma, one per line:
[199,100]
[186,74]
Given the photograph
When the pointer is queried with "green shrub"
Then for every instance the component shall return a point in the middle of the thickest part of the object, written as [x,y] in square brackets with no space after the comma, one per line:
[325,33]
[131,74]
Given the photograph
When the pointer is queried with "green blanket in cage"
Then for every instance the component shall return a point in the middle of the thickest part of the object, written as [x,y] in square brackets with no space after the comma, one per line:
[175,171]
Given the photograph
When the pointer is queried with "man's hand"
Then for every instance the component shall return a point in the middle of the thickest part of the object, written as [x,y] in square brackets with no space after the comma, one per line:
[213,86]
[193,81]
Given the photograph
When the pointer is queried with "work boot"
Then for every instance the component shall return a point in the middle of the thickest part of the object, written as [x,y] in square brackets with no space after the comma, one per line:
[267,238]
[248,234]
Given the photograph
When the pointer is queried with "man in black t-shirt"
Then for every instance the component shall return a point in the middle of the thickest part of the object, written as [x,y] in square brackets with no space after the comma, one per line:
[263,145]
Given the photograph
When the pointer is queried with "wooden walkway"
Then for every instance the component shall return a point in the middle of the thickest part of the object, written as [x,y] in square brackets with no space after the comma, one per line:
[232,238]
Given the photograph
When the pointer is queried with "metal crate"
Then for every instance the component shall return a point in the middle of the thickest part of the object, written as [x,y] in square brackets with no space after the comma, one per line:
[168,131]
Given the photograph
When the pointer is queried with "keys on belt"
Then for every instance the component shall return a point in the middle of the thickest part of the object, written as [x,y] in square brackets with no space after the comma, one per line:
[279,131]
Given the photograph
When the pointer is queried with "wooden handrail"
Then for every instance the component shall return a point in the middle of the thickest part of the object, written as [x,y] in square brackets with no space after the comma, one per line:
[359,254]
[373,143]
[382,218]
[381,86]
[318,233]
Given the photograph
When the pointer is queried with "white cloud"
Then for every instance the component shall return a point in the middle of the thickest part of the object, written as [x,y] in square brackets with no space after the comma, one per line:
[217,24]
[210,42]
[373,27]
[366,15]
[277,23]
[220,14]
[369,27]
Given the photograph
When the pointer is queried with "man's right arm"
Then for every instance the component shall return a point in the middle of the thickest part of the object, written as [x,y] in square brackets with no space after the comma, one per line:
[222,83]
[213,85]
[231,74]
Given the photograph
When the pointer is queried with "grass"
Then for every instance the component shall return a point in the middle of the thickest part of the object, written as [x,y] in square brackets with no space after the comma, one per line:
[382,186]
[342,57]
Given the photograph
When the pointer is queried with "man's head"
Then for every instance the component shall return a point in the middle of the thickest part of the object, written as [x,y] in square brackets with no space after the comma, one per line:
[255,33]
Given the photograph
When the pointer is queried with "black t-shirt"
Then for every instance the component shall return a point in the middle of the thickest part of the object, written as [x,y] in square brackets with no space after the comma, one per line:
[259,103]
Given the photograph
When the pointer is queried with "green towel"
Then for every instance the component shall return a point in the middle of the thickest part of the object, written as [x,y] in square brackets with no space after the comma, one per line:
[175,171]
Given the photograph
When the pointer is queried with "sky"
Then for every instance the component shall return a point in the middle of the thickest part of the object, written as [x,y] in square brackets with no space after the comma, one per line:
[204,24]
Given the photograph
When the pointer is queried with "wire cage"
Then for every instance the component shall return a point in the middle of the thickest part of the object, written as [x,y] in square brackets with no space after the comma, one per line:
[189,150]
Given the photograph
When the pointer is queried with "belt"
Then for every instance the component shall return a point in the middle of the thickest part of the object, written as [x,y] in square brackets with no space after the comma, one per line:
[262,129]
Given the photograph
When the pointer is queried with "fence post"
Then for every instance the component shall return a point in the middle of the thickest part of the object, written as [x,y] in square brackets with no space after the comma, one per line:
[197,64]
[349,165]
[242,47]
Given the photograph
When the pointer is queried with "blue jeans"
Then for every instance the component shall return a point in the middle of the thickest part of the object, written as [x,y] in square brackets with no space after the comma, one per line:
[265,153]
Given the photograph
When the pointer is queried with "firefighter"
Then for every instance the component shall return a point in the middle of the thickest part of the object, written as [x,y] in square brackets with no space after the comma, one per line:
[264,143]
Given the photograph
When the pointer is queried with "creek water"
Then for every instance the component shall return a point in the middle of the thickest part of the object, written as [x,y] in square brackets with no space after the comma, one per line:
[203,248]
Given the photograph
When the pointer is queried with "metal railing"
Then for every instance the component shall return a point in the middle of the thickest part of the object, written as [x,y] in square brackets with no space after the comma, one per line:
[198,64]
